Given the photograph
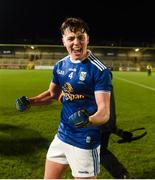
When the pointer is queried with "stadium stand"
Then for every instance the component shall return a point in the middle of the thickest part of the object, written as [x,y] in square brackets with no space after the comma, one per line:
[20,56]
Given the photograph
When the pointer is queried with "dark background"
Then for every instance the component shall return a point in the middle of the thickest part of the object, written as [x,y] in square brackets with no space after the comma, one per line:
[34,21]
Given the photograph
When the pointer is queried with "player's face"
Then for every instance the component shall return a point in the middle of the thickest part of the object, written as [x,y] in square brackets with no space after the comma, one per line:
[76,44]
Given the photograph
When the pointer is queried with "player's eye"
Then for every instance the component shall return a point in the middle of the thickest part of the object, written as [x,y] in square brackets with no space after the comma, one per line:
[81,38]
[70,38]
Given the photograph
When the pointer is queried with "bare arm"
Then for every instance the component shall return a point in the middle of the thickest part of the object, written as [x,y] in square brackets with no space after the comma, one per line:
[103,112]
[47,96]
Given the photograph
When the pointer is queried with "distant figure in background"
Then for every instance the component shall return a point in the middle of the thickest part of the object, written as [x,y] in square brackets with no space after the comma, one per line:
[149,69]
[30,64]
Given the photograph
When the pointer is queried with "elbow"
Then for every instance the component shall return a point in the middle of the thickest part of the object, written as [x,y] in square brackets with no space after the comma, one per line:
[100,118]
[106,117]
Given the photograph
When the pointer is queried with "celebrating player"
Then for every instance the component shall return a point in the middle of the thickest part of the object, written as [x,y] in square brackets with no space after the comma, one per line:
[86,86]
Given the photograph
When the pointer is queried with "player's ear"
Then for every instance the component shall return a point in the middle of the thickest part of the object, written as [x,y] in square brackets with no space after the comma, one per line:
[63,41]
[87,39]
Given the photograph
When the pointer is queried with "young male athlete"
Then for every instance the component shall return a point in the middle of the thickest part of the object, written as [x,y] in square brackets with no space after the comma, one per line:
[86,86]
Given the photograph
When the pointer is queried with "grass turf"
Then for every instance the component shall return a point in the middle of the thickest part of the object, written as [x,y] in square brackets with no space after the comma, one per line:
[24,136]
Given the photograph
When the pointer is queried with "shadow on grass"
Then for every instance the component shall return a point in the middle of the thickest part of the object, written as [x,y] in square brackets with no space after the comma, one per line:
[16,140]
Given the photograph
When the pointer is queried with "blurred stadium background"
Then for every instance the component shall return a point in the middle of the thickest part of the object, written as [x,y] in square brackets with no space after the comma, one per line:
[126,58]
[24,137]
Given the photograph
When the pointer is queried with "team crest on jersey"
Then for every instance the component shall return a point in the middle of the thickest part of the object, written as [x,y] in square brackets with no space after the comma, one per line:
[82,75]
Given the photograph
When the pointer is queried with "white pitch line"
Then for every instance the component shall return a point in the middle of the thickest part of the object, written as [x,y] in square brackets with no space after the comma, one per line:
[135,83]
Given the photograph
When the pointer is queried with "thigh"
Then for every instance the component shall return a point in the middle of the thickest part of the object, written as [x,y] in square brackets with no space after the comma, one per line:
[84,163]
[53,170]
[56,152]
[56,160]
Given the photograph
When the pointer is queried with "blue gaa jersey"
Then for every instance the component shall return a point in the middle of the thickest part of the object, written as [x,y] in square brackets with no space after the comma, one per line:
[79,80]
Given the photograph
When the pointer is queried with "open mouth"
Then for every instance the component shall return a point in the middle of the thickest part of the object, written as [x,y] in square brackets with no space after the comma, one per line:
[77,51]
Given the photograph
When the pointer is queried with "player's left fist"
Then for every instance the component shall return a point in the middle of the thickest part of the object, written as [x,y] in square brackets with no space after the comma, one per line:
[79,119]
[22,103]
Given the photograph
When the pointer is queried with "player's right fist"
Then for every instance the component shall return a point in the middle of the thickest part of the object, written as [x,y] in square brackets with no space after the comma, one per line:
[22,103]
[79,119]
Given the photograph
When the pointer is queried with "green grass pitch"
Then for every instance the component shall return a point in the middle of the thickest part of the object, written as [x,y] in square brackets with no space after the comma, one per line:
[24,136]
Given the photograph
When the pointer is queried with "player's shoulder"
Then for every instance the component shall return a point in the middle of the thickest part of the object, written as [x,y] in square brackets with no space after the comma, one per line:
[97,63]
[61,61]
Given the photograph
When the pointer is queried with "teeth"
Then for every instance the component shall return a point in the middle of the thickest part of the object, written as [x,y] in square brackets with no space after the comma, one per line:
[76,49]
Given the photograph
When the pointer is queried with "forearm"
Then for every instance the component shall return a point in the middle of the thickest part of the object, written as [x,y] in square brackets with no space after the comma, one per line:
[41,99]
[82,119]
[44,98]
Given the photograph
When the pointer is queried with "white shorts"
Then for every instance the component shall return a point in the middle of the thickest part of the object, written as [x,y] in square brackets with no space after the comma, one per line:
[83,162]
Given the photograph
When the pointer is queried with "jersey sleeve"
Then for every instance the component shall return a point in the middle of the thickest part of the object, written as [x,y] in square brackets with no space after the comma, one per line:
[55,75]
[103,81]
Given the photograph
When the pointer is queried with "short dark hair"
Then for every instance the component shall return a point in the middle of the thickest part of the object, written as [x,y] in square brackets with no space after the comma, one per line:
[74,25]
